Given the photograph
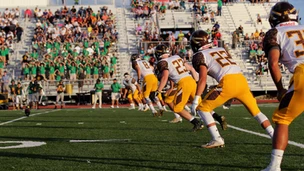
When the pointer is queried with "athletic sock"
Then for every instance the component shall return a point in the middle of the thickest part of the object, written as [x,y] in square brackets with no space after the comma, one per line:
[208,119]
[276,158]
[160,107]
[152,108]
[176,115]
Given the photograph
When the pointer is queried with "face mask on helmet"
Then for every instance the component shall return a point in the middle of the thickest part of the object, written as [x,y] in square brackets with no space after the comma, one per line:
[282,12]
[161,50]
[200,40]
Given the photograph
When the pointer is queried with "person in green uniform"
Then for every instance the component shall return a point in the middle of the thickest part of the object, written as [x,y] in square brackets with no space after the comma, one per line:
[98,93]
[72,69]
[33,70]
[42,69]
[12,88]
[1,65]
[26,71]
[95,71]
[19,93]
[106,71]
[114,64]
[116,92]
[34,55]
[57,76]
[51,71]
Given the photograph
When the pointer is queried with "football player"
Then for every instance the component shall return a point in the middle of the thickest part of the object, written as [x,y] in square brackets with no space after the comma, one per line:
[284,43]
[133,92]
[218,63]
[12,88]
[175,69]
[60,94]
[143,69]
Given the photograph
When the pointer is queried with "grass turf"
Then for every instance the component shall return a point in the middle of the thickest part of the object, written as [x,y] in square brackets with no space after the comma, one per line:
[154,143]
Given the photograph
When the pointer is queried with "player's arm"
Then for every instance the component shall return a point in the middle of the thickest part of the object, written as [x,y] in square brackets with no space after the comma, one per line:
[273,52]
[192,71]
[137,69]
[201,84]
[164,70]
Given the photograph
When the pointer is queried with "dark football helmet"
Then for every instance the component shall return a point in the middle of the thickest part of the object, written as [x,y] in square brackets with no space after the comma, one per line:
[134,57]
[199,40]
[27,111]
[161,50]
[282,12]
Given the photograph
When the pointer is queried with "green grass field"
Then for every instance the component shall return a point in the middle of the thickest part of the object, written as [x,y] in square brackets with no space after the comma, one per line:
[139,142]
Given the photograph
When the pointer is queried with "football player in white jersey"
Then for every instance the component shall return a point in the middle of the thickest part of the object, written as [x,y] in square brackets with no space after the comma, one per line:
[145,71]
[133,93]
[217,63]
[284,43]
[175,69]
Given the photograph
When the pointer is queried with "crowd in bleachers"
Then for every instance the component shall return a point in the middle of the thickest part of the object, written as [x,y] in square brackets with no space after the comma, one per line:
[10,32]
[72,44]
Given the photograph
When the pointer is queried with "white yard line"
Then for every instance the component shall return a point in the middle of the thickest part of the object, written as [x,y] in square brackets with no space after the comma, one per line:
[105,140]
[264,135]
[14,120]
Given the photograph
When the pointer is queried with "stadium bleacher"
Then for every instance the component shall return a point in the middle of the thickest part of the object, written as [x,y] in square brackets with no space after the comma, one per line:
[233,15]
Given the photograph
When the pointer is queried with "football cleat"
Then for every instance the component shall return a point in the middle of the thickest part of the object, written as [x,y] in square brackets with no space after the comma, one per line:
[27,111]
[146,108]
[176,120]
[215,144]
[161,112]
[155,114]
[223,123]
[197,127]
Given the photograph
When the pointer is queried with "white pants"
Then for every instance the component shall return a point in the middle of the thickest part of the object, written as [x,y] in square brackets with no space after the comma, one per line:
[98,95]
[19,100]
[60,97]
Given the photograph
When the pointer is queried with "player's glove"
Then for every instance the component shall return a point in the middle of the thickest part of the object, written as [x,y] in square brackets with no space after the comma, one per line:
[195,104]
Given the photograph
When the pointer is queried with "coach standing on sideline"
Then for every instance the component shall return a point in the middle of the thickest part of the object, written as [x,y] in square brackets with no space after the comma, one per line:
[116,91]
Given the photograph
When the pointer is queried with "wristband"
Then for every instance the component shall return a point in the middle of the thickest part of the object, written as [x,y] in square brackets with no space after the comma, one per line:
[196,98]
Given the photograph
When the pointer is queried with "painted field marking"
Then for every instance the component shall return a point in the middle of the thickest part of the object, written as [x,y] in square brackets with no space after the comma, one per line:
[22,144]
[264,135]
[23,117]
[106,140]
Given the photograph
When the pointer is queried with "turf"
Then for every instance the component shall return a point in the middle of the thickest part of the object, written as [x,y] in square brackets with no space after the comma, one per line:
[147,143]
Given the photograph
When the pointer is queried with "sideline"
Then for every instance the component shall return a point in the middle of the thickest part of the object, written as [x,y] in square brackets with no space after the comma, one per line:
[264,135]
[36,114]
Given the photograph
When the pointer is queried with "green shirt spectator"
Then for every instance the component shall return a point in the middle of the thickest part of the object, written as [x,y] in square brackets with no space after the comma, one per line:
[42,69]
[33,70]
[106,69]
[98,87]
[115,87]
[113,60]
[34,55]
[95,70]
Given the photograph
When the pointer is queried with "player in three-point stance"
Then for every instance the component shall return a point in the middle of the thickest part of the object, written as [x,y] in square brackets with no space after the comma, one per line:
[217,63]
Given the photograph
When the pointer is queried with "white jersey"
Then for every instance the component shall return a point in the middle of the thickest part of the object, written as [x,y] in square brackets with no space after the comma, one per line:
[218,62]
[128,83]
[176,67]
[145,68]
[291,41]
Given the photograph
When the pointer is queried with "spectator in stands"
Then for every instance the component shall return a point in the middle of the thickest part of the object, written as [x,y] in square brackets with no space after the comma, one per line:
[260,53]
[216,26]
[182,4]
[116,92]
[235,40]
[212,17]
[19,31]
[219,7]
[195,7]
[5,82]
[256,35]
[240,30]
[170,4]
[259,19]
[204,9]
[162,9]
[262,34]
[1,65]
